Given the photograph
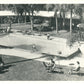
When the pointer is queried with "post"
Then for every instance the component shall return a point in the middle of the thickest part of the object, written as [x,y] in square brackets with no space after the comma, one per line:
[70,21]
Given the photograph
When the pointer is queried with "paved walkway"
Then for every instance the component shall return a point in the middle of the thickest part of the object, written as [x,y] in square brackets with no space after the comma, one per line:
[39,57]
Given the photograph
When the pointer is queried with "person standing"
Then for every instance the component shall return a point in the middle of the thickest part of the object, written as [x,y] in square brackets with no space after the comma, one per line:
[48,36]
[34,48]
[1,63]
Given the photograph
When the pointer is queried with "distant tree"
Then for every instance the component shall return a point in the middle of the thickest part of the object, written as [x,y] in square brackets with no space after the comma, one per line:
[79,10]
[63,9]
[26,9]
[55,8]
[71,7]
[76,9]
[3,7]
[17,9]
[32,8]
[20,9]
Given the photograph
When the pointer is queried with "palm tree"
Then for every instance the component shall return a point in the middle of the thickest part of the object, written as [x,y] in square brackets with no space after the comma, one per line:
[18,9]
[74,8]
[71,7]
[79,10]
[3,7]
[55,8]
[63,9]
[32,8]
[26,8]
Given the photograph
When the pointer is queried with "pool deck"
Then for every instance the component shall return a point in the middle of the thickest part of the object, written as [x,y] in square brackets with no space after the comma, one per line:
[52,47]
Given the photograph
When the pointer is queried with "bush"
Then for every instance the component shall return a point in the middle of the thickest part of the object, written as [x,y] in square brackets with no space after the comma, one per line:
[73,38]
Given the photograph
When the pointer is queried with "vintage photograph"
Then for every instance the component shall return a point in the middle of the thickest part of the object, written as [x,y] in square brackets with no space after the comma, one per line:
[41,42]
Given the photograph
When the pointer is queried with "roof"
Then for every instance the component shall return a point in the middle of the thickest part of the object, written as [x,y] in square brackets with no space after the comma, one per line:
[51,14]
[6,13]
[45,13]
[41,13]
[74,16]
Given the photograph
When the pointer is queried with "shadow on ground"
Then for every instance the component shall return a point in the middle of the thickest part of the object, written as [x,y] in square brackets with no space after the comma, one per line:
[5,68]
[59,72]
[79,74]
[5,47]
[27,60]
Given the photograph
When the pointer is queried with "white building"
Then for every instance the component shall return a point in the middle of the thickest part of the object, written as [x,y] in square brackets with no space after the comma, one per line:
[51,14]
[7,13]
[40,13]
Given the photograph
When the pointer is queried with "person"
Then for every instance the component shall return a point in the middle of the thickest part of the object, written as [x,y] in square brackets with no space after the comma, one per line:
[48,36]
[34,48]
[77,67]
[50,66]
[8,30]
[1,63]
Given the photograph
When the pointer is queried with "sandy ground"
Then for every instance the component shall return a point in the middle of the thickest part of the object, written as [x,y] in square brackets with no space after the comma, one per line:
[51,47]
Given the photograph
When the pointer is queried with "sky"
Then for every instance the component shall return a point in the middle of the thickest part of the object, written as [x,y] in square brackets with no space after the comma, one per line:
[42,1]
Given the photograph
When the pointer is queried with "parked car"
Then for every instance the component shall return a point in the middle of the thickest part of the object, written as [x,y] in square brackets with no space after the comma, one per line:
[81,26]
[37,21]
[45,26]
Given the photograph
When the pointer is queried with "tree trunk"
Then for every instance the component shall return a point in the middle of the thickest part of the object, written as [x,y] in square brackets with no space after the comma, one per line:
[29,16]
[70,21]
[32,25]
[0,21]
[81,18]
[25,17]
[18,19]
[56,22]
[10,24]
[63,20]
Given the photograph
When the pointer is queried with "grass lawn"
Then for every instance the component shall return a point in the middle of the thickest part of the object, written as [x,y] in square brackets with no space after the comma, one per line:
[25,69]
[26,27]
